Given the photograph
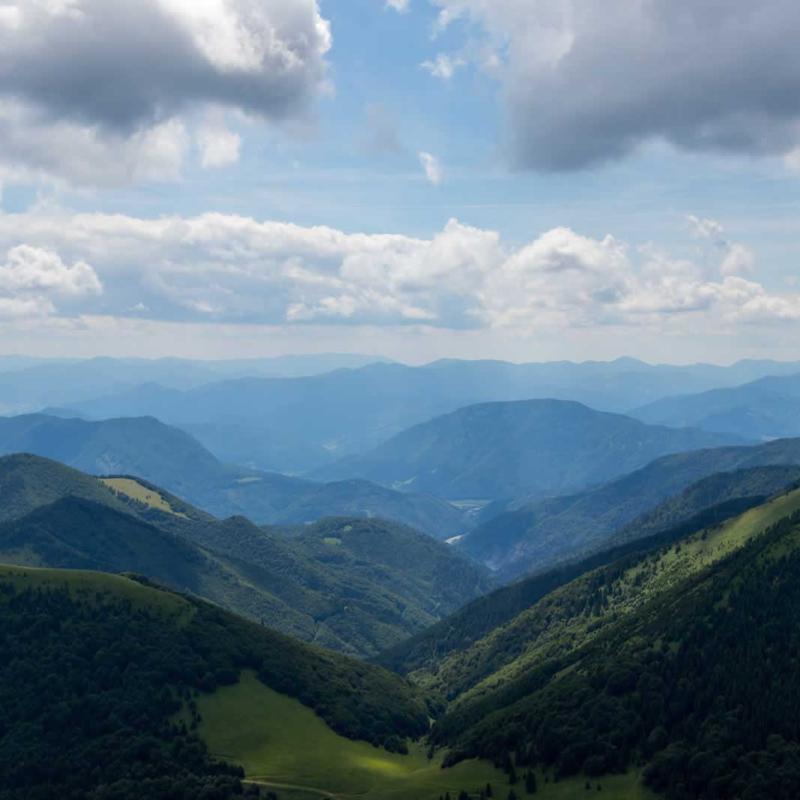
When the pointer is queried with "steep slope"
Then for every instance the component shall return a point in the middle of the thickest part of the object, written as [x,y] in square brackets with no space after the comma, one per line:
[74,533]
[90,734]
[380,584]
[28,482]
[631,663]
[171,458]
[501,450]
[297,425]
[534,535]
[424,652]
[764,409]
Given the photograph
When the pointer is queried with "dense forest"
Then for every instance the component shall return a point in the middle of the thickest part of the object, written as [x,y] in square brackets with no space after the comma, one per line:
[687,686]
[93,670]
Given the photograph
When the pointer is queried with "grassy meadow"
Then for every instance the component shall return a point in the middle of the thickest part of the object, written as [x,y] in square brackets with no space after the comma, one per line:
[286,746]
[130,487]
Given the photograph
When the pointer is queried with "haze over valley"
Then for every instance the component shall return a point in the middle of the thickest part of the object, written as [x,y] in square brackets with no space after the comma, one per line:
[399,400]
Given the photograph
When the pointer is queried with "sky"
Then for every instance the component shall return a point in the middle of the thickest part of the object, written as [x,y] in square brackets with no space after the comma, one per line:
[520,179]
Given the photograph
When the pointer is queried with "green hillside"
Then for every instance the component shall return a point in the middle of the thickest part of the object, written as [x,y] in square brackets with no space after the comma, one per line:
[74,727]
[286,748]
[28,482]
[535,535]
[73,533]
[456,633]
[502,450]
[170,458]
[382,583]
[630,664]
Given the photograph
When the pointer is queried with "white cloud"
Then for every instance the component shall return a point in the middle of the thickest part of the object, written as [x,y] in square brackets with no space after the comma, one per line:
[229,269]
[33,149]
[443,66]
[400,6]
[587,83]
[737,259]
[32,278]
[432,167]
[97,92]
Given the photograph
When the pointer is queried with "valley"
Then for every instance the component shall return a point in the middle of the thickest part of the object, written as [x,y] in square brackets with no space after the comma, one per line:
[541,641]
[399,400]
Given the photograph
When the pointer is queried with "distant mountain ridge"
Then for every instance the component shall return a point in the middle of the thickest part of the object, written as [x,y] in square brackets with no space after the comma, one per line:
[767,408]
[503,450]
[298,425]
[28,384]
[174,460]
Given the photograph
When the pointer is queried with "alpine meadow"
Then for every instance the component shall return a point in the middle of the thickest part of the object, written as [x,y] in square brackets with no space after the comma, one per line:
[399,400]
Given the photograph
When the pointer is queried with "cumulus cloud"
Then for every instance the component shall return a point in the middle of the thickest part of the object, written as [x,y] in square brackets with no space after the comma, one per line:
[587,83]
[400,6]
[125,75]
[432,168]
[221,268]
[71,153]
[33,278]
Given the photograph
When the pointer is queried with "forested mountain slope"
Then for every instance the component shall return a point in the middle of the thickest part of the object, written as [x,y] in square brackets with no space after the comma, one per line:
[503,450]
[87,733]
[351,584]
[534,535]
[631,663]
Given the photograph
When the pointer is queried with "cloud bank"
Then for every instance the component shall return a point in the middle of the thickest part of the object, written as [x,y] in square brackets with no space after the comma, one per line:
[217,268]
[587,83]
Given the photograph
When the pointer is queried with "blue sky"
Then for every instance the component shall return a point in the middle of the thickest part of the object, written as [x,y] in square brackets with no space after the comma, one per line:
[621,186]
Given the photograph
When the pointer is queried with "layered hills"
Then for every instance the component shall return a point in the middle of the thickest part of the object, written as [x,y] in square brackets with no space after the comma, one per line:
[628,663]
[175,461]
[504,450]
[352,584]
[301,424]
[535,535]
[763,409]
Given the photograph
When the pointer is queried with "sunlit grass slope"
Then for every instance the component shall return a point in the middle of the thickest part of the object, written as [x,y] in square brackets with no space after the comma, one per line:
[135,490]
[286,745]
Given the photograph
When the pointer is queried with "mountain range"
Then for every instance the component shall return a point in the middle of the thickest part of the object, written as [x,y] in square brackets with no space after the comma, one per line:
[764,409]
[535,535]
[301,424]
[172,459]
[504,450]
[605,674]
[31,384]
[352,584]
